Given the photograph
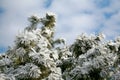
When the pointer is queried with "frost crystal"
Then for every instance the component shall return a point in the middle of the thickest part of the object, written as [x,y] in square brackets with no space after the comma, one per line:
[36,55]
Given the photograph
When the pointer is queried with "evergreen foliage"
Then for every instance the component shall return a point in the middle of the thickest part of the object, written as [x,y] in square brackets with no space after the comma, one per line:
[36,57]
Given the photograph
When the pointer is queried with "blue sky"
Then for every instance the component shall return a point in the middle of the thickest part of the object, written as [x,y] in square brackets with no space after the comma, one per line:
[73,18]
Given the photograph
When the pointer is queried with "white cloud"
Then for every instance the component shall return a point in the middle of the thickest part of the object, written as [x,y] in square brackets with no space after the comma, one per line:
[74,17]
[15,17]
[112,26]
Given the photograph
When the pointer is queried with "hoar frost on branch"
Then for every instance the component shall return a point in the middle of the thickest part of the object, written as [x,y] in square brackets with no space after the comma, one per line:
[36,56]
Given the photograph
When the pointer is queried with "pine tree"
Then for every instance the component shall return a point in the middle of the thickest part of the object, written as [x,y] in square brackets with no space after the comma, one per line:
[35,56]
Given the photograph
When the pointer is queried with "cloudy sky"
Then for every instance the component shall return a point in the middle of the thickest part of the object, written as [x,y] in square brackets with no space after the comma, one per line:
[73,17]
